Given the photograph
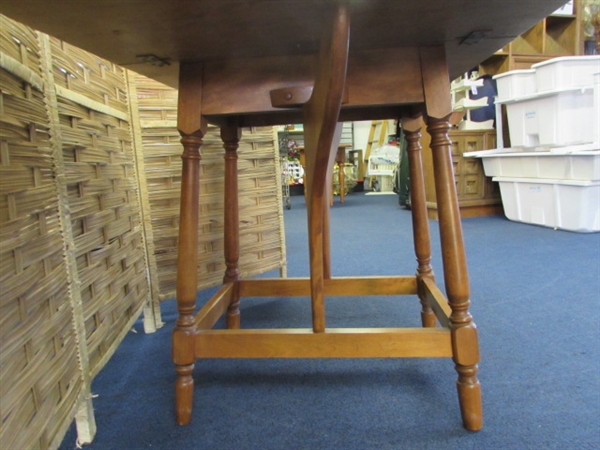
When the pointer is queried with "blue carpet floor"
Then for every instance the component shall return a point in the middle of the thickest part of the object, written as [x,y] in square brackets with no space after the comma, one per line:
[536,301]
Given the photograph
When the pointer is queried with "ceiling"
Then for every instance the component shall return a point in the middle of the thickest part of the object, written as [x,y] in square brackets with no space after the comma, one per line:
[195,30]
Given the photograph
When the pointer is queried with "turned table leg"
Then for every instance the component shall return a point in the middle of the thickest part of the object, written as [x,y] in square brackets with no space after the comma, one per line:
[230,134]
[192,128]
[421,233]
[187,279]
[463,330]
[465,346]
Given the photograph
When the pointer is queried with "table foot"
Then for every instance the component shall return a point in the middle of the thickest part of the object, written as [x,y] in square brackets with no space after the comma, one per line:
[469,397]
[184,393]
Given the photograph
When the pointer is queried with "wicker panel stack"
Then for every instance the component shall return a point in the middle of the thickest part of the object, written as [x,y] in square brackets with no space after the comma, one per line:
[105,213]
[261,215]
[73,268]
[40,373]
[89,206]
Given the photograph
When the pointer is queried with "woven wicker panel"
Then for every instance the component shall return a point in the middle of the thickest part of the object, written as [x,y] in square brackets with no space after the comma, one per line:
[39,367]
[89,75]
[261,216]
[102,195]
[20,43]
[261,213]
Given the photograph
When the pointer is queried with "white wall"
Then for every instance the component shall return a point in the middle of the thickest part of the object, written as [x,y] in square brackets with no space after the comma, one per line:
[361,134]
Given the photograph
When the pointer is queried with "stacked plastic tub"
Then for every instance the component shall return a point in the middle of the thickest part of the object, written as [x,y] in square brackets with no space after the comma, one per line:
[551,174]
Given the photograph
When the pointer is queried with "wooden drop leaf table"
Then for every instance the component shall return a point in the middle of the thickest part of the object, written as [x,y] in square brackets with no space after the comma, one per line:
[318,62]
[343,89]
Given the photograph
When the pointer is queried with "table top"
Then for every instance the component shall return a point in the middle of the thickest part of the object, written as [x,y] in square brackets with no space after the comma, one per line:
[208,30]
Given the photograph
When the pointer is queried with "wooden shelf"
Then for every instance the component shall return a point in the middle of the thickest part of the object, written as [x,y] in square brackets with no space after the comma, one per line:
[561,35]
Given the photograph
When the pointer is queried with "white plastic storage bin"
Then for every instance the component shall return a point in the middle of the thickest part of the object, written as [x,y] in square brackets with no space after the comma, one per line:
[384,183]
[553,119]
[583,166]
[515,84]
[380,169]
[565,204]
[597,108]
[383,160]
[566,72]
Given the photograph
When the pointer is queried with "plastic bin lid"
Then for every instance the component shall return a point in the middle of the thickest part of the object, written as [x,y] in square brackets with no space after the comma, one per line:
[578,150]
[582,183]
[577,90]
[514,72]
[567,58]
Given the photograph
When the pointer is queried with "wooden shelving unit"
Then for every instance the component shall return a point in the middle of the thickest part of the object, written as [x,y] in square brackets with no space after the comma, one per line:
[554,36]
[477,194]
